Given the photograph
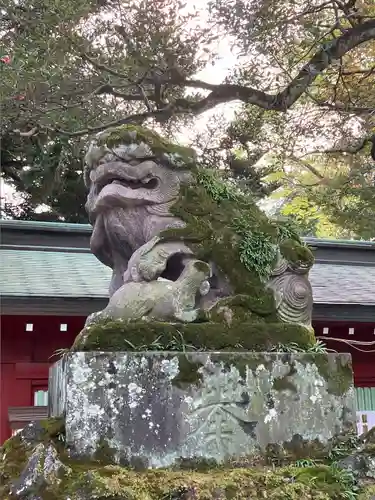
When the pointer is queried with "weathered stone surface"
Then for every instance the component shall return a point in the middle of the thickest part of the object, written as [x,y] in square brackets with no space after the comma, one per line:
[94,480]
[157,215]
[42,470]
[158,299]
[155,409]
[362,461]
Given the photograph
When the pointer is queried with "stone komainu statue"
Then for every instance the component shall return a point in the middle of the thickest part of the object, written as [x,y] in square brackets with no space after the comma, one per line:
[184,246]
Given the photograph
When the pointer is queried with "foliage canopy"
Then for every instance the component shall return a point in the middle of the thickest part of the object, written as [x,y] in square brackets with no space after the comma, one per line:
[302,79]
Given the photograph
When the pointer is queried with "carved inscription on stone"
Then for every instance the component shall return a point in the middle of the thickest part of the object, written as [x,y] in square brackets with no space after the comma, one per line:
[221,414]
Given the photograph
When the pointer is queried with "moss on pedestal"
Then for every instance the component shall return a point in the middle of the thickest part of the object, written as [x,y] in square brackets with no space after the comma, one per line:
[188,373]
[138,336]
[240,308]
[288,483]
[340,377]
[194,478]
[201,481]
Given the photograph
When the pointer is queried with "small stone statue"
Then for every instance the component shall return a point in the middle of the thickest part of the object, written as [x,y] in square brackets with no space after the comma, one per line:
[180,242]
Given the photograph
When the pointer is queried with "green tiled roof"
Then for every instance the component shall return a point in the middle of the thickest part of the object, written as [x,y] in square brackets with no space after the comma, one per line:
[365,398]
[343,283]
[35,273]
[32,225]
[75,273]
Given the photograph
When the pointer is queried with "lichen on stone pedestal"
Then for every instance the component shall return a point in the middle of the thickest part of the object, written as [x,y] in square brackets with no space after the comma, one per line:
[156,408]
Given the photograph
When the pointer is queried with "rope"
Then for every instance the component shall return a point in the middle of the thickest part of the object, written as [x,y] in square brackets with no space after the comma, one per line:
[352,343]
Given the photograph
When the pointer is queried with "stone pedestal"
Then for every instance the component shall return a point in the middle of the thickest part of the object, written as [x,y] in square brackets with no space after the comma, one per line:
[155,409]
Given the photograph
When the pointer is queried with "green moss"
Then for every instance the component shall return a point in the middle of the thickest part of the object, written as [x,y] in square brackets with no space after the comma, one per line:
[17,449]
[240,308]
[230,230]
[319,483]
[337,484]
[284,384]
[54,428]
[335,370]
[254,336]
[12,465]
[210,233]
[295,252]
[197,464]
[188,373]
[367,493]
[104,453]
[202,266]
[167,152]
[204,479]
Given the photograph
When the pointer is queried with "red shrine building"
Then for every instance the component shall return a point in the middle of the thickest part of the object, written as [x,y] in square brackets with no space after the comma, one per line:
[50,282]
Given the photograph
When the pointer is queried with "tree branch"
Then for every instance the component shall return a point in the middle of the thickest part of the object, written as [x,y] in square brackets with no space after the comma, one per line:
[101,66]
[283,100]
[366,72]
[353,149]
[223,93]
[7,171]
[280,102]
[357,110]
[136,118]
[29,133]
[108,89]
[361,144]
[307,165]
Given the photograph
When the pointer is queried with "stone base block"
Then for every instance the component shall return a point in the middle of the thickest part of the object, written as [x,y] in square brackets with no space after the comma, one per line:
[155,409]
